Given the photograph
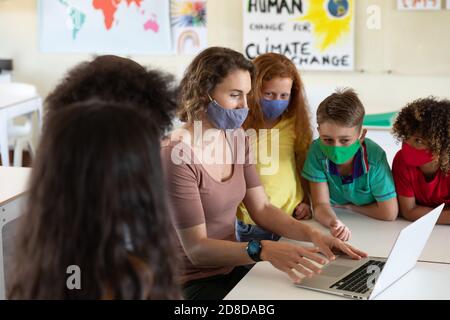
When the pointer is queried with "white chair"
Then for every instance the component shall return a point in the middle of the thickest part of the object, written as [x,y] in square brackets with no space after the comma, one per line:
[20,137]
[5,76]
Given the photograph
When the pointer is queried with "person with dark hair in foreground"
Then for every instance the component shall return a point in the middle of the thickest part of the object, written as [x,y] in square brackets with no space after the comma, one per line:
[97,204]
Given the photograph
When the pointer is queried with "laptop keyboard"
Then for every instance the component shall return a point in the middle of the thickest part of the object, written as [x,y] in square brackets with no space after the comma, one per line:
[357,280]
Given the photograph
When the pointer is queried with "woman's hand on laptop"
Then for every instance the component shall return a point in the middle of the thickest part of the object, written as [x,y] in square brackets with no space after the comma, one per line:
[339,230]
[292,259]
[329,245]
[339,247]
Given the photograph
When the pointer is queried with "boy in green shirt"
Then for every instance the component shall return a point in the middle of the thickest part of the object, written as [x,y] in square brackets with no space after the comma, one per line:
[345,169]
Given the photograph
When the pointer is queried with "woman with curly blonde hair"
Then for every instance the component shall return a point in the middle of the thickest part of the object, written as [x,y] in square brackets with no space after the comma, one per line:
[421,168]
[278,104]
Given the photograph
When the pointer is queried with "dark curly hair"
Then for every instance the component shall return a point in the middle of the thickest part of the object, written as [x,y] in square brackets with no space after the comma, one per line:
[117,79]
[428,118]
[97,200]
[205,72]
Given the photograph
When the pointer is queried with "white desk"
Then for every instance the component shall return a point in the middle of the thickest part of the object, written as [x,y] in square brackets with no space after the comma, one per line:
[13,186]
[376,238]
[13,182]
[264,282]
[11,106]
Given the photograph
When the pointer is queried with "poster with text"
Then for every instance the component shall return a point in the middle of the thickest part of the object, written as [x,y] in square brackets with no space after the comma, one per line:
[314,34]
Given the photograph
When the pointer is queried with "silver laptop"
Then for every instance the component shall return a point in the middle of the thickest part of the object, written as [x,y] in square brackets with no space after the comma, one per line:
[368,277]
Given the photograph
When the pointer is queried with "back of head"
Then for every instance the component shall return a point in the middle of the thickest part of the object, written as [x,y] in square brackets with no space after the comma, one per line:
[96,201]
[343,108]
[117,79]
[207,70]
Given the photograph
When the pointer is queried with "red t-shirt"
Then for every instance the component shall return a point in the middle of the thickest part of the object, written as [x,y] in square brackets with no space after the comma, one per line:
[410,182]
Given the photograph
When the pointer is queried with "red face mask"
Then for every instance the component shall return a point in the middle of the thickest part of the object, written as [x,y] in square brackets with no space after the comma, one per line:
[415,157]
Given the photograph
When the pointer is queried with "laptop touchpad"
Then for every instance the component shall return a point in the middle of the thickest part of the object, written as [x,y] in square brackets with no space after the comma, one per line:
[335,270]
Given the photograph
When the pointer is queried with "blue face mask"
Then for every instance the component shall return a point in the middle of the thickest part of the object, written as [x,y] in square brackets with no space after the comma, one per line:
[226,118]
[272,109]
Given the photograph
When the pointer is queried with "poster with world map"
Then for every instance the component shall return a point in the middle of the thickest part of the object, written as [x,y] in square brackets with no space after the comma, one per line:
[105,26]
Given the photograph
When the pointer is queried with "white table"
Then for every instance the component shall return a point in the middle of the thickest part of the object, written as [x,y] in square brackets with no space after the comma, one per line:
[13,186]
[264,282]
[13,182]
[11,106]
[376,238]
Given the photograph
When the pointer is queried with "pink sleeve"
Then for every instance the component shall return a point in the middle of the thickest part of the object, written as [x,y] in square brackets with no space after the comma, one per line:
[182,190]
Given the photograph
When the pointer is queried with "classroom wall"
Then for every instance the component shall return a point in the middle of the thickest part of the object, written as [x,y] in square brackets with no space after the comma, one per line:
[408,57]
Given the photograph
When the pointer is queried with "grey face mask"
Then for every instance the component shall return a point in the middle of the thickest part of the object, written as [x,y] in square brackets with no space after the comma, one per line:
[224,118]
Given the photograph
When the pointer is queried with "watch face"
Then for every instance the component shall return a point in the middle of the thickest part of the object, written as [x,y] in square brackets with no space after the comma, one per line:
[254,247]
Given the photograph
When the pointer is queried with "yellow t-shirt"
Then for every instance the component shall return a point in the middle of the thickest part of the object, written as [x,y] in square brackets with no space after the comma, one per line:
[279,174]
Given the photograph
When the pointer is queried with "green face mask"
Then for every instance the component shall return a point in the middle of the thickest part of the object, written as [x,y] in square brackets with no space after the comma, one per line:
[339,155]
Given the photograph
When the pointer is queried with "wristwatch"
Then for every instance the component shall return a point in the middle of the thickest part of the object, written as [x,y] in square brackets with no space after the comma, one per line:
[254,248]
